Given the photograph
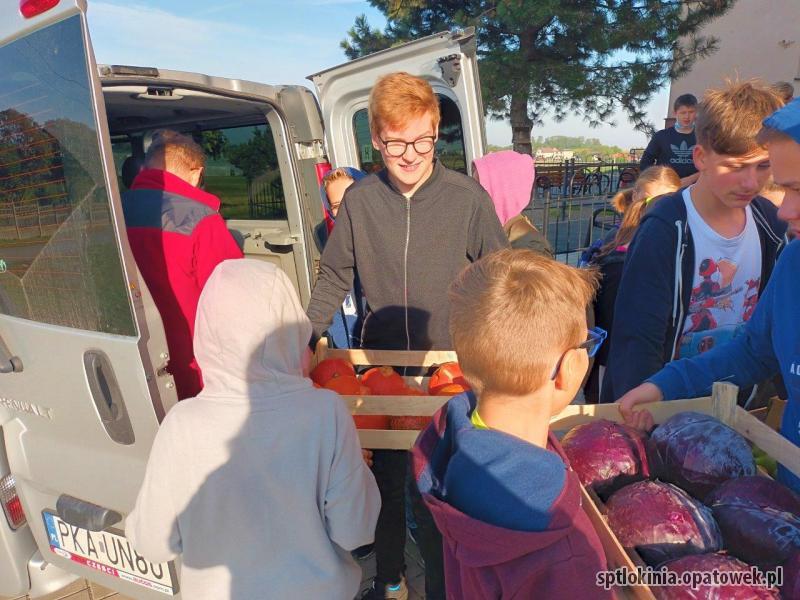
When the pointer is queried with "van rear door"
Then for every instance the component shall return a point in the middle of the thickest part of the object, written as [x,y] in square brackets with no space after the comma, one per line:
[262,142]
[80,402]
[446,60]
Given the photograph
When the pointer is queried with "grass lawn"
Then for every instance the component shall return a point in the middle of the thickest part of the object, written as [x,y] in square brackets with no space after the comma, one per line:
[233,193]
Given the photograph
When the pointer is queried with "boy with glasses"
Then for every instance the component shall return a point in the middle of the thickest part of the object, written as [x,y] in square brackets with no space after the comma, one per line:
[492,474]
[405,232]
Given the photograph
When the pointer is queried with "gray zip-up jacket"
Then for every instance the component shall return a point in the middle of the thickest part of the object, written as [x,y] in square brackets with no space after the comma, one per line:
[406,251]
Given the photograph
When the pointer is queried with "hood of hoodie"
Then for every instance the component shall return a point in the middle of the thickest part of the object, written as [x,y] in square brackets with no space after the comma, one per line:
[671,208]
[508,178]
[496,497]
[250,332]
[356,174]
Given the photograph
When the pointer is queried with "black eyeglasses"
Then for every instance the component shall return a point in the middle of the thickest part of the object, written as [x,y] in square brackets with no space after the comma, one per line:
[597,336]
[396,148]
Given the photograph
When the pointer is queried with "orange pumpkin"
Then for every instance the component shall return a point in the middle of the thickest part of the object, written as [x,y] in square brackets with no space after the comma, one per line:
[384,381]
[451,389]
[447,374]
[330,368]
[371,421]
[346,385]
[412,391]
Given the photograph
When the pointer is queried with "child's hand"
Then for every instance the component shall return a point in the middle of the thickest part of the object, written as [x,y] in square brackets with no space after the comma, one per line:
[367,454]
[640,419]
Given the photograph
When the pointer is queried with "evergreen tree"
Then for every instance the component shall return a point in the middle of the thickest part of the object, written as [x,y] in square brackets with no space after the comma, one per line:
[590,57]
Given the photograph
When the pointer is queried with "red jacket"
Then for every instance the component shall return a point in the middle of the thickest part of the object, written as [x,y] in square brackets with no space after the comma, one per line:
[177,237]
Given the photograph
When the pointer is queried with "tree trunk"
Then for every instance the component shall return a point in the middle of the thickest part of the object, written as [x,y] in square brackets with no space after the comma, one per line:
[521,123]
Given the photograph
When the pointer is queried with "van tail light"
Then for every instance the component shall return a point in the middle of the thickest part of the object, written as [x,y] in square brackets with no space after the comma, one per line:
[322,170]
[33,8]
[10,501]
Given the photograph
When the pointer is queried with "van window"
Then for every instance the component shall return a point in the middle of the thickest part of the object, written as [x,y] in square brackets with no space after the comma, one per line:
[122,149]
[59,260]
[242,171]
[449,149]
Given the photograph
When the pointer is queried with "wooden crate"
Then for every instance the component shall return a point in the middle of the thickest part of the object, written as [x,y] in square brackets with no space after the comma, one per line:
[722,405]
[390,439]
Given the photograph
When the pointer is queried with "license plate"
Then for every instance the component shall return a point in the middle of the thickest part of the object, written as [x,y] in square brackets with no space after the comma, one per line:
[108,553]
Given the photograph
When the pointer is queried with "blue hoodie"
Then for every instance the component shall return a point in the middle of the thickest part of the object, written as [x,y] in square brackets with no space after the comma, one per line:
[509,512]
[656,286]
[769,344]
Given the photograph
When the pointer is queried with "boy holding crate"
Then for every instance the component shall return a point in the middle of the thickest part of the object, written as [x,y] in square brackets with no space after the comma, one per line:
[493,476]
[404,232]
[769,342]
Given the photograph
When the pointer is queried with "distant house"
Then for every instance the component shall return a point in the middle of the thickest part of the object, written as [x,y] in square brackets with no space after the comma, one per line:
[546,154]
[757,39]
[635,154]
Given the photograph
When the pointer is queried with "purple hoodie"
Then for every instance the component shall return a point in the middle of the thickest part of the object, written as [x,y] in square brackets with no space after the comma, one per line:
[509,512]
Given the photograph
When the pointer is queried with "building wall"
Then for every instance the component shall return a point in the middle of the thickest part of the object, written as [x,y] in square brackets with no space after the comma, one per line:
[757,38]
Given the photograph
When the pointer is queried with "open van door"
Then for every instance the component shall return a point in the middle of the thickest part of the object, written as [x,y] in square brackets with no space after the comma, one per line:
[446,60]
[262,144]
[80,397]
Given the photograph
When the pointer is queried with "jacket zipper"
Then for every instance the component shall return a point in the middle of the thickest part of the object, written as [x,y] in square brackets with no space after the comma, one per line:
[677,304]
[405,271]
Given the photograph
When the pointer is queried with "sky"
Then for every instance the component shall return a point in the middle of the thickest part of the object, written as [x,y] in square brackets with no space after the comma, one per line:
[277,42]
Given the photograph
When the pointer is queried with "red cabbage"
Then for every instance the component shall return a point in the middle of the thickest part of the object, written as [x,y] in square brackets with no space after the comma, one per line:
[756,490]
[759,519]
[791,577]
[697,453]
[708,563]
[661,522]
[606,455]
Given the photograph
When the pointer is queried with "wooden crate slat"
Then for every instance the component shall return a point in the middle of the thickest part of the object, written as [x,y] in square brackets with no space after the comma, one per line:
[387,440]
[724,402]
[616,555]
[770,441]
[394,405]
[393,358]
[576,414]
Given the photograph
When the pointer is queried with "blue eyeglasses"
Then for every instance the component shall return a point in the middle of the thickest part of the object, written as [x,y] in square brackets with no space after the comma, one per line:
[597,336]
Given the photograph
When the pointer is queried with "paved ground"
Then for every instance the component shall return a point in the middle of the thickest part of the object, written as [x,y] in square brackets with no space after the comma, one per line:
[83,590]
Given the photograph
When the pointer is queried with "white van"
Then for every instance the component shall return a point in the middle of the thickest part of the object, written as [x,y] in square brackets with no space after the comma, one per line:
[82,347]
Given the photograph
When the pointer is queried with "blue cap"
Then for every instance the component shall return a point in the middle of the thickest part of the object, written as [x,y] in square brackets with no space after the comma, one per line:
[786,120]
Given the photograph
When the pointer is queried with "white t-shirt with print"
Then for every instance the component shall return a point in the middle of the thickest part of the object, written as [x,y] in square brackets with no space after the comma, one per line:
[727,277]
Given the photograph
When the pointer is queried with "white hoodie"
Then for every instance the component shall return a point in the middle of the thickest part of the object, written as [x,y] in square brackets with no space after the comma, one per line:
[258,482]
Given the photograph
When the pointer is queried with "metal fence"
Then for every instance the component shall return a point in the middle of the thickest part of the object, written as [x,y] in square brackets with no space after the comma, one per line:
[266,200]
[571,203]
[571,178]
[34,219]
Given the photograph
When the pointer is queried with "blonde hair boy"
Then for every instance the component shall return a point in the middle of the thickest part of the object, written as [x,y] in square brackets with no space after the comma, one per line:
[496,481]
[729,119]
[517,320]
[335,184]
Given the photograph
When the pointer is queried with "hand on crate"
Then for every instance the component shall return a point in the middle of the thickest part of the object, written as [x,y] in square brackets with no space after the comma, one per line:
[644,394]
